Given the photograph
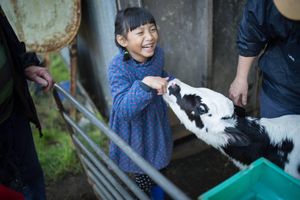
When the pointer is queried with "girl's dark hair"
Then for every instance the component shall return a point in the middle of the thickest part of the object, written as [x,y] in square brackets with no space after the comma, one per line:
[131,18]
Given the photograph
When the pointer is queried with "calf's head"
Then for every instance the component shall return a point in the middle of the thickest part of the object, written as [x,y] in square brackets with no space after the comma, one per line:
[202,111]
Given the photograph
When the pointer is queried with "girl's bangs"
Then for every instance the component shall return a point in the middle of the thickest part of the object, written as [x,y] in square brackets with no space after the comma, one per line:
[140,19]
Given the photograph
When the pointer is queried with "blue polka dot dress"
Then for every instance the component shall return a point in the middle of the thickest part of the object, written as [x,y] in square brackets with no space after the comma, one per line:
[139,116]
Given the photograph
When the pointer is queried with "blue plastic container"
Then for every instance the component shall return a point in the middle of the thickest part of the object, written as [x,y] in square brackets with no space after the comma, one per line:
[263,180]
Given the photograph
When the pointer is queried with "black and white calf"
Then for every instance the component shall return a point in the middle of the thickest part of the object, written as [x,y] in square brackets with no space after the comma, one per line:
[211,116]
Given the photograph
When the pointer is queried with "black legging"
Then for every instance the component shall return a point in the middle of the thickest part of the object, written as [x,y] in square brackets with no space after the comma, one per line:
[144,182]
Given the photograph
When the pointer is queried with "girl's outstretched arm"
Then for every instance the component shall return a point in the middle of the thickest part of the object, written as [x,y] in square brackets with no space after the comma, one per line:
[129,98]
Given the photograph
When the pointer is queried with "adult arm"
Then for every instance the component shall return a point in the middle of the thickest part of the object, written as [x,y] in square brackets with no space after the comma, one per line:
[252,38]
[239,87]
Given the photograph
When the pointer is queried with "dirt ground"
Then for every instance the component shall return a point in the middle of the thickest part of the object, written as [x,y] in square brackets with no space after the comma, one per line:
[198,173]
[194,175]
[72,187]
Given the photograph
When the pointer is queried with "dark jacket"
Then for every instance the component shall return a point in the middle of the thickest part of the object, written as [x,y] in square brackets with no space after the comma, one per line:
[19,59]
[264,28]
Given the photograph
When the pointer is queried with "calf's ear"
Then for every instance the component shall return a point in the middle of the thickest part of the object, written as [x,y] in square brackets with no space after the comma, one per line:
[237,137]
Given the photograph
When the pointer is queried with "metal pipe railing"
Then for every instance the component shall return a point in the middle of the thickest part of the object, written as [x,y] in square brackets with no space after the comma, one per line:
[155,175]
[129,183]
[110,183]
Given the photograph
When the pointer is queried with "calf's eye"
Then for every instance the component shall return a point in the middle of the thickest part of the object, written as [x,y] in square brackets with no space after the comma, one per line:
[202,109]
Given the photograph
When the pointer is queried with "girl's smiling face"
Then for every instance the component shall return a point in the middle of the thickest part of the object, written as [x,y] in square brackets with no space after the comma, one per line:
[140,42]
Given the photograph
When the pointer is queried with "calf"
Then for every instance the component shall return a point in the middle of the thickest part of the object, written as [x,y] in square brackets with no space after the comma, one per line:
[211,117]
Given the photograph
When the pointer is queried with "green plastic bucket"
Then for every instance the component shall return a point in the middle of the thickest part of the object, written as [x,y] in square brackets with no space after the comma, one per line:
[263,180]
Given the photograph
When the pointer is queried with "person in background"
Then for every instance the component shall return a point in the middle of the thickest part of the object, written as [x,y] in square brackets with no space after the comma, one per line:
[137,81]
[20,169]
[273,28]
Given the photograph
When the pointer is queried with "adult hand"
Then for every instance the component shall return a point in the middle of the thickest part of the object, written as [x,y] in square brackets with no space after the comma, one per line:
[158,83]
[39,75]
[238,92]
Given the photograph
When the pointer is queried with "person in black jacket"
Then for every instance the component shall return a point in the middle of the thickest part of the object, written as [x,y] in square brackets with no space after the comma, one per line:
[19,165]
[273,28]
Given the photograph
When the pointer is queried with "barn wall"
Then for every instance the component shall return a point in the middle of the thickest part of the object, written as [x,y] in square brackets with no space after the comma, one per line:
[96,48]
[185,34]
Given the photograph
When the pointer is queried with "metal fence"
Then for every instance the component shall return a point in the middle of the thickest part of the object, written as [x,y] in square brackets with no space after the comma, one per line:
[107,180]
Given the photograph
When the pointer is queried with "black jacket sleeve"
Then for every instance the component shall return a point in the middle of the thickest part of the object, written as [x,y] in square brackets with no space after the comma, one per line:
[19,59]
[252,32]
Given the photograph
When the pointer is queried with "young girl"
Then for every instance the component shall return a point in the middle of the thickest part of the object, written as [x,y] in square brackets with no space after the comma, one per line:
[137,79]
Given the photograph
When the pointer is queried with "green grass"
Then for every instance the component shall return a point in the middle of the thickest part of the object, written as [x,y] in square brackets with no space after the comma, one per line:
[57,68]
[55,149]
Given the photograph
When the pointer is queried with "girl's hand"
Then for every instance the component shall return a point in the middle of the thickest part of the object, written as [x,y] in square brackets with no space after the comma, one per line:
[157,83]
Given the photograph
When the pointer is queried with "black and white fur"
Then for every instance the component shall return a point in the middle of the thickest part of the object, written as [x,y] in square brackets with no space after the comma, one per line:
[211,117]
